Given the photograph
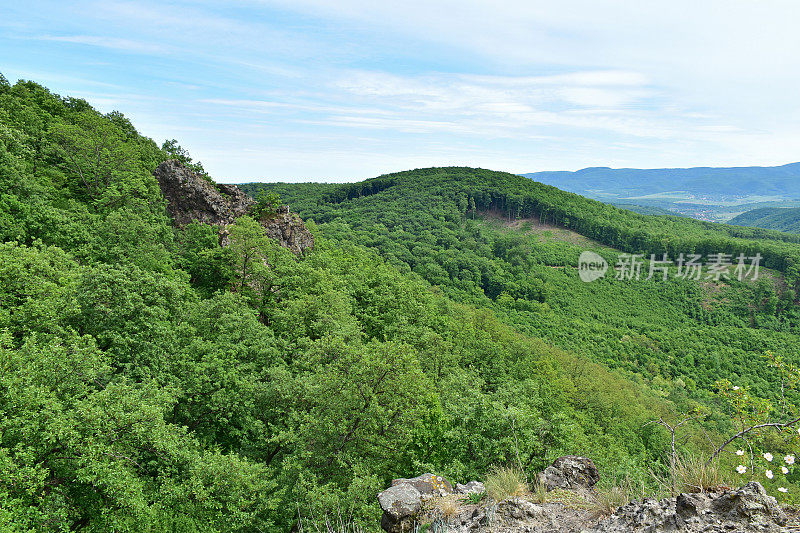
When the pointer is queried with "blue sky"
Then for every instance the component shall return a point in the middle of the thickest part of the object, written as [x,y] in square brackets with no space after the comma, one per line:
[345,90]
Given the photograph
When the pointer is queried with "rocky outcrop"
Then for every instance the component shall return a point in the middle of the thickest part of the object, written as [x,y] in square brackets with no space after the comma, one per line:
[570,472]
[746,509]
[402,502]
[190,197]
[427,484]
[410,504]
[289,230]
[515,516]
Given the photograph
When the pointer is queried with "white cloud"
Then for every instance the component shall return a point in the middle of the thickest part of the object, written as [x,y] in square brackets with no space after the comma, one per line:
[313,88]
[125,45]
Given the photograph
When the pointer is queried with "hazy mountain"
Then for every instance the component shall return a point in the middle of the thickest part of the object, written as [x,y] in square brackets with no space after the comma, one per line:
[723,181]
[706,193]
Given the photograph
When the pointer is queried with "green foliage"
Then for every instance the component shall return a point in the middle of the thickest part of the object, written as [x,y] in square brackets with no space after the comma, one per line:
[153,380]
[267,204]
[173,150]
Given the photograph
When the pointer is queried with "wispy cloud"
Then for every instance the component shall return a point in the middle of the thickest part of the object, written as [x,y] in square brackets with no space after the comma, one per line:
[114,43]
[311,88]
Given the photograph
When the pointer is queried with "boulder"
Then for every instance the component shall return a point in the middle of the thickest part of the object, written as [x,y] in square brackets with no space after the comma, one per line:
[748,509]
[473,487]
[570,472]
[427,484]
[400,504]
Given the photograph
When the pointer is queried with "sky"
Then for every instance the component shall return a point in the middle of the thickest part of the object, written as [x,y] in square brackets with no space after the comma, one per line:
[343,90]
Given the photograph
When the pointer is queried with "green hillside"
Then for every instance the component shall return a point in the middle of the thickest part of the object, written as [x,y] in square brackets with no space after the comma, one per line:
[510,254]
[780,219]
[152,380]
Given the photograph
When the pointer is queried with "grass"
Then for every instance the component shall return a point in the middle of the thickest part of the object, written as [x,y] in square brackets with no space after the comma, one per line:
[505,483]
[474,497]
[605,502]
[539,494]
[692,474]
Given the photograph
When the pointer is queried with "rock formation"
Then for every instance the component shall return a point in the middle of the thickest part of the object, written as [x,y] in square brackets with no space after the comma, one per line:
[403,500]
[746,509]
[289,230]
[570,472]
[190,197]
[409,504]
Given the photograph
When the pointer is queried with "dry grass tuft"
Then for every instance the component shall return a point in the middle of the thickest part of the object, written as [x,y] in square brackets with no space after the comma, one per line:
[605,502]
[505,483]
[444,507]
[692,474]
[539,493]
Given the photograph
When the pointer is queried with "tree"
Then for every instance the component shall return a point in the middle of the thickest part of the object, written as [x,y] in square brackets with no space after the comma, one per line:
[173,150]
[258,260]
[95,151]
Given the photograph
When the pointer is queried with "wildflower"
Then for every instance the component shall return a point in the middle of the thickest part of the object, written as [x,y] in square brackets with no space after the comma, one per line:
[736,387]
[740,452]
[768,457]
[783,489]
[768,473]
[741,469]
[789,459]
[784,470]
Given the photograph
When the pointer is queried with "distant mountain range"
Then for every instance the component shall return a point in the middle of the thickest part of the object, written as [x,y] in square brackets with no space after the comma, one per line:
[708,193]
[718,181]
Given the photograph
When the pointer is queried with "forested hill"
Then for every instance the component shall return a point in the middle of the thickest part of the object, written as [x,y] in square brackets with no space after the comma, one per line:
[503,242]
[457,192]
[781,219]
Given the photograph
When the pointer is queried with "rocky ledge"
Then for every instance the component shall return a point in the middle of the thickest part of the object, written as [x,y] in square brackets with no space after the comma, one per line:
[571,505]
[190,198]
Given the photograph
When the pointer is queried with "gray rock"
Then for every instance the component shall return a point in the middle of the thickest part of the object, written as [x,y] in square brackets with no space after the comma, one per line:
[473,487]
[400,504]
[289,230]
[192,198]
[570,472]
[427,484]
[748,509]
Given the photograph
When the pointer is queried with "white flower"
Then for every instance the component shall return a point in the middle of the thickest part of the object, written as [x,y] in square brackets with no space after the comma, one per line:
[782,489]
[789,459]
[740,452]
[741,469]
[784,470]
[768,457]
[768,473]
[798,431]
[736,387]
